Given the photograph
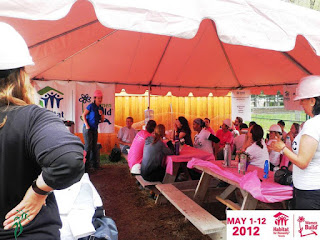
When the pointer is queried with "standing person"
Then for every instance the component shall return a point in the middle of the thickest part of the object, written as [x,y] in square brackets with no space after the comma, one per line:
[208,128]
[182,130]
[92,116]
[225,136]
[203,139]
[305,154]
[37,152]
[126,135]
[258,151]
[135,154]
[275,132]
[154,152]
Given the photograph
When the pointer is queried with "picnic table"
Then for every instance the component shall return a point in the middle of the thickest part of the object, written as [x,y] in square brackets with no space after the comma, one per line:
[173,162]
[252,185]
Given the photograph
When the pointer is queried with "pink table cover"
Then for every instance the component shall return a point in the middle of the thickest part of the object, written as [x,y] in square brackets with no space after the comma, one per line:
[266,191]
[186,154]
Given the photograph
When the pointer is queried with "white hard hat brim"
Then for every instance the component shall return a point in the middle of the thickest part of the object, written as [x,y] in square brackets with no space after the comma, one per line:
[14,65]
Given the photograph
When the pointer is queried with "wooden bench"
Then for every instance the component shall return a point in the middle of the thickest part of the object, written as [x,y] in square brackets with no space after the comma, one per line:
[206,223]
[147,184]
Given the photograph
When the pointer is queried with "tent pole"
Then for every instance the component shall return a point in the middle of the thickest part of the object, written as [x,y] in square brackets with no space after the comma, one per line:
[149,93]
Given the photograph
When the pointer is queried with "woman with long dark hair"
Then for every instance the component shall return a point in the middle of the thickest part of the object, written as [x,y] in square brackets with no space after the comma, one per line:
[258,151]
[182,130]
[153,154]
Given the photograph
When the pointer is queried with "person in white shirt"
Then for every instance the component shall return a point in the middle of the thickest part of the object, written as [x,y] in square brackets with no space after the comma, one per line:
[258,151]
[203,139]
[126,135]
[275,132]
[305,154]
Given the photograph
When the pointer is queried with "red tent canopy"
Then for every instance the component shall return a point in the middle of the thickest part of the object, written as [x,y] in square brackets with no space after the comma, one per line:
[78,47]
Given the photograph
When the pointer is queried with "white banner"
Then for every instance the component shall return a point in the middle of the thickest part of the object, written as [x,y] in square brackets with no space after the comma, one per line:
[289,92]
[68,100]
[241,104]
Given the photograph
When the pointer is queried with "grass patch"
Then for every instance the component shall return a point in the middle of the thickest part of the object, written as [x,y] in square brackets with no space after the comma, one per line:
[266,120]
[104,159]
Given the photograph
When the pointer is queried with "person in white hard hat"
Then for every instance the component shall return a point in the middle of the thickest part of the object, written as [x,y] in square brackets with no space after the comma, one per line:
[37,152]
[92,116]
[275,132]
[305,154]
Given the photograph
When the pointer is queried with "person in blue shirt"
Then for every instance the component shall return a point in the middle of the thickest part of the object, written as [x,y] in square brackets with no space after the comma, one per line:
[92,116]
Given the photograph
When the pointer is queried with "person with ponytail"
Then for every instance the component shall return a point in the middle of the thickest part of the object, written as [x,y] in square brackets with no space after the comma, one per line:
[258,151]
[203,139]
[154,152]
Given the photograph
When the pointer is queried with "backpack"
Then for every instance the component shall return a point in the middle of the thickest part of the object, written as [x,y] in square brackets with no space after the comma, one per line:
[283,176]
[115,155]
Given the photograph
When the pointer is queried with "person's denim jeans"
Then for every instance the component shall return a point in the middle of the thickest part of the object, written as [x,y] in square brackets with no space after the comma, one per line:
[90,139]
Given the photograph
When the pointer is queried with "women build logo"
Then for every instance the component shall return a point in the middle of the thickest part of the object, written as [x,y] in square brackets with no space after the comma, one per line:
[51,98]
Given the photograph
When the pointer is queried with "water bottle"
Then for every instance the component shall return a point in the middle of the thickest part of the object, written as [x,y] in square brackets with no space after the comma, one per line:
[177,145]
[266,169]
[227,154]
[242,166]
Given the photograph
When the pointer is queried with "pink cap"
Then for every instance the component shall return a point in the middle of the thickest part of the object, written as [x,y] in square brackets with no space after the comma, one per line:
[97,93]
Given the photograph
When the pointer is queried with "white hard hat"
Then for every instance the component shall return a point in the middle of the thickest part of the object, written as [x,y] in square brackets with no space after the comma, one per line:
[14,51]
[275,128]
[227,122]
[308,87]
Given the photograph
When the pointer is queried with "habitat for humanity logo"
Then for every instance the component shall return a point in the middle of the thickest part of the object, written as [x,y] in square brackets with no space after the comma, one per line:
[281,220]
[50,98]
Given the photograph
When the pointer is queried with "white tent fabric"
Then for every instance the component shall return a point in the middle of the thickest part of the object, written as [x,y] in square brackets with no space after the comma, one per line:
[77,47]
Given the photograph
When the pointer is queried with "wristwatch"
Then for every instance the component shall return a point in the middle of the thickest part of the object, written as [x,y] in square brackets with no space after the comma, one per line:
[38,190]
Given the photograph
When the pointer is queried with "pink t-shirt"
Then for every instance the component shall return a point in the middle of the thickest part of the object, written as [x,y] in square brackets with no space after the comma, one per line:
[210,130]
[135,154]
[224,137]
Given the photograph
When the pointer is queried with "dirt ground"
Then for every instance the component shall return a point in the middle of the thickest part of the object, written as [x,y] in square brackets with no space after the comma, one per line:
[135,213]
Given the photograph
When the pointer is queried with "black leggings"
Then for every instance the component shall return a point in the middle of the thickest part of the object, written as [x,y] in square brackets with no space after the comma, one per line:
[307,199]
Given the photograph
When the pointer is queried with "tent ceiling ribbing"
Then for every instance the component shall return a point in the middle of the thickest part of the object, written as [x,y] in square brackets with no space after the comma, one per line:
[243,44]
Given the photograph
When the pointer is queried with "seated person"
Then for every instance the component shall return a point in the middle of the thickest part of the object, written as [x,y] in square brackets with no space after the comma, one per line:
[126,135]
[182,130]
[275,131]
[136,150]
[225,136]
[203,139]
[282,124]
[239,140]
[208,128]
[258,151]
[154,152]
[237,123]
